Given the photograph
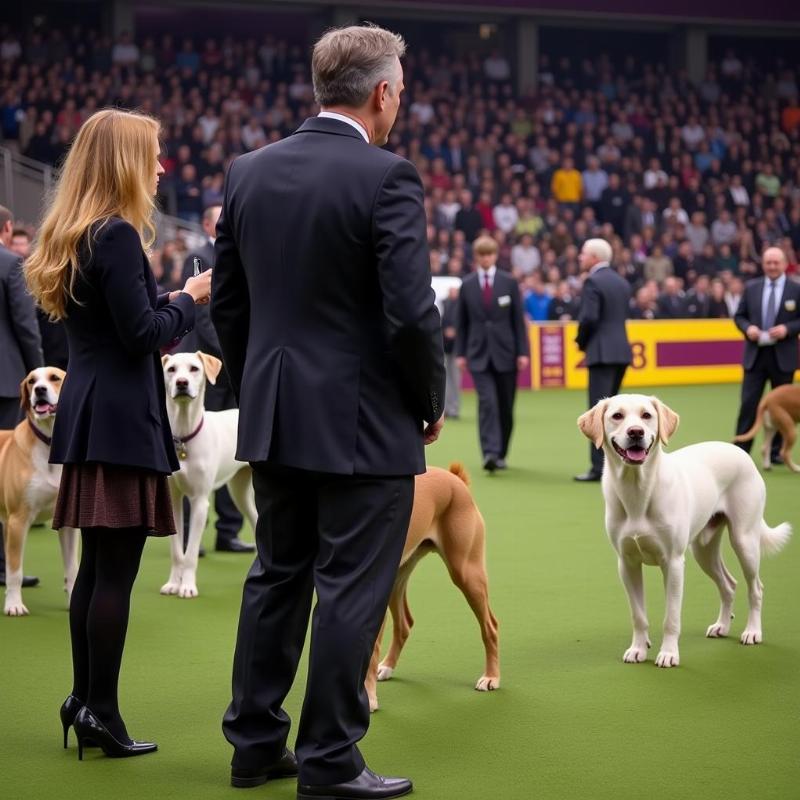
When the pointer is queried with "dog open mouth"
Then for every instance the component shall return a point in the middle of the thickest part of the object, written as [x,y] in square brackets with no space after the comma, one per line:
[634,455]
[43,408]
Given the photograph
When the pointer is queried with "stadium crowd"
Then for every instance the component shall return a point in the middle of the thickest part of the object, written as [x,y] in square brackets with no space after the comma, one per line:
[688,182]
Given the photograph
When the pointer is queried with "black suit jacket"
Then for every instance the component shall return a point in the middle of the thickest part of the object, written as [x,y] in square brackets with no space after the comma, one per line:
[20,342]
[491,338]
[323,305]
[203,336]
[601,320]
[750,313]
[112,407]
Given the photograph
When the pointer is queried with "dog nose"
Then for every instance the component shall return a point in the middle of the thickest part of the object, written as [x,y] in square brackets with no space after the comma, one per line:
[636,433]
[40,391]
[182,383]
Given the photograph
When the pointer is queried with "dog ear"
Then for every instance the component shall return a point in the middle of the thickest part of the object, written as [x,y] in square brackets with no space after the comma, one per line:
[591,424]
[25,393]
[667,420]
[164,360]
[212,366]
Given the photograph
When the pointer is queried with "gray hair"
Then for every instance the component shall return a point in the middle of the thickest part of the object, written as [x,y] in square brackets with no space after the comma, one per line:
[599,248]
[348,63]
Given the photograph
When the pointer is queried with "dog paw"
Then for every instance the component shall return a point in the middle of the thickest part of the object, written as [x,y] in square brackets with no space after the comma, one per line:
[16,609]
[487,684]
[385,673]
[717,630]
[373,705]
[188,590]
[170,587]
[751,636]
[667,659]
[635,655]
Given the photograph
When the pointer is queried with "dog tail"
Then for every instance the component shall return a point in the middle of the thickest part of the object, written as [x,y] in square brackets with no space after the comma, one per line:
[460,471]
[773,540]
[746,437]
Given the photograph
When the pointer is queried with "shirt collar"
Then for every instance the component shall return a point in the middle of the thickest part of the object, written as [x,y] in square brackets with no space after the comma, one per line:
[349,120]
[599,265]
[490,272]
[779,282]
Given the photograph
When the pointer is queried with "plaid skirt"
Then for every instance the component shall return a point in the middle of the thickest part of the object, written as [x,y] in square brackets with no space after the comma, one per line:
[98,495]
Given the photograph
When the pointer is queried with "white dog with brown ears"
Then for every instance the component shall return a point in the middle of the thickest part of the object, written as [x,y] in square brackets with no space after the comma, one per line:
[658,504]
[205,442]
[29,483]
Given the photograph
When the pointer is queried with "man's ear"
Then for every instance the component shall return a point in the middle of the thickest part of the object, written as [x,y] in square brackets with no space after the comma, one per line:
[211,365]
[667,420]
[591,424]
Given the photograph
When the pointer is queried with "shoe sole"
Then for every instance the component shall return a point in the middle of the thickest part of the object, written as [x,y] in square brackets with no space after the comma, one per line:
[258,780]
[304,796]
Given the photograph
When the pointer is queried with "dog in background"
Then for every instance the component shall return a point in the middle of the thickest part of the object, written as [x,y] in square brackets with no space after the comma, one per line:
[778,412]
[29,483]
[658,504]
[444,519]
[206,445]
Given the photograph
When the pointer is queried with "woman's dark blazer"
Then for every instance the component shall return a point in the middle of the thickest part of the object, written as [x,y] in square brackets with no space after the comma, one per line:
[112,407]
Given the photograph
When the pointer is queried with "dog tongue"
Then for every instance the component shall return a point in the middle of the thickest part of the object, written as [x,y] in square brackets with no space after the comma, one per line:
[637,454]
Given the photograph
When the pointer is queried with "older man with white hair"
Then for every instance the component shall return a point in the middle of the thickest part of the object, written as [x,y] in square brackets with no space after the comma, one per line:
[601,332]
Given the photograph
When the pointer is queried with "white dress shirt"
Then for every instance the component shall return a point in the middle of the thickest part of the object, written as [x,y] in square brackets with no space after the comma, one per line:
[349,120]
[483,274]
[780,285]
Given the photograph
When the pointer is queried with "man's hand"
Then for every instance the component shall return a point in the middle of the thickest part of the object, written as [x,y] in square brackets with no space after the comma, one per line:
[753,332]
[778,332]
[461,362]
[522,363]
[432,431]
[449,332]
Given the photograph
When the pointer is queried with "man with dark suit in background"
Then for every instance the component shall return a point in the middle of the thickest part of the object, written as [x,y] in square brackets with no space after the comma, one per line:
[492,341]
[601,332]
[20,343]
[219,396]
[769,317]
[323,304]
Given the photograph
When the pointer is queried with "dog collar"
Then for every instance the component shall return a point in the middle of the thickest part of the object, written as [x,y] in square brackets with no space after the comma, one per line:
[42,437]
[180,441]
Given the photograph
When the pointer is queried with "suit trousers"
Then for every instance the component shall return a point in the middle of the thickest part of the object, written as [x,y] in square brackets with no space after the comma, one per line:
[10,415]
[496,393]
[343,536]
[452,394]
[605,380]
[755,379]
[219,397]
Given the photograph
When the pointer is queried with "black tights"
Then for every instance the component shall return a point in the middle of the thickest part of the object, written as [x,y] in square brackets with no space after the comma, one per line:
[98,618]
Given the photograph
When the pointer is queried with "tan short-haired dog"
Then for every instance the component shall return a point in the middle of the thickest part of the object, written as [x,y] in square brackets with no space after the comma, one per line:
[444,519]
[778,412]
[29,484]
[659,504]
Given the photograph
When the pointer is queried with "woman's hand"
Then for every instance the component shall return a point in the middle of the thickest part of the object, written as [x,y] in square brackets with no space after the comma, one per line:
[199,288]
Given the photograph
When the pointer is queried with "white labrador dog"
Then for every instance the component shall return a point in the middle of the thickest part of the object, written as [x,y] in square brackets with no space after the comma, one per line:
[657,504]
[205,442]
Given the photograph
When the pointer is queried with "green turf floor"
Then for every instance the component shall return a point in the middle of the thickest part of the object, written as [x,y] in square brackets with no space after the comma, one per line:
[571,721]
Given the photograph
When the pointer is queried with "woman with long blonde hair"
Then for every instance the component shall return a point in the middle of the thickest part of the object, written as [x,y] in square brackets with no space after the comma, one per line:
[89,269]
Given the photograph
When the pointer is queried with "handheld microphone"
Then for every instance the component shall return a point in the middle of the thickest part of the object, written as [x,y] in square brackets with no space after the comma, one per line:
[196,264]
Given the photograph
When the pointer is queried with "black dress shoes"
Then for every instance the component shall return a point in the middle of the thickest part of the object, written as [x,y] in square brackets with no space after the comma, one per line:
[490,463]
[246,778]
[366,786]
[588,477]
[27,580]
[234,546]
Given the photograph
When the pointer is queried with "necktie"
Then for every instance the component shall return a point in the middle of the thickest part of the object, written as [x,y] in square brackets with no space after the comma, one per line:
[487,290]
[769,317]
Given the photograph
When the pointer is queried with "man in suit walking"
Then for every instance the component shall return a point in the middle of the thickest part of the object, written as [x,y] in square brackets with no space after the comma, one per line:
[492,341]
[219,396]
[601,332]
[323,304]
[20,343]
[769,317]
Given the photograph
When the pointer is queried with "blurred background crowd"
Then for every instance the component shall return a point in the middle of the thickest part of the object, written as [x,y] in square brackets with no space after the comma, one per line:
[688,181]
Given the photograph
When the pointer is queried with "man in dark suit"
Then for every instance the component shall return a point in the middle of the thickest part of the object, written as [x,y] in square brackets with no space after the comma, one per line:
[601,332]
[769,317]
[20,343]
[219,396]
[492,341]
[326,318]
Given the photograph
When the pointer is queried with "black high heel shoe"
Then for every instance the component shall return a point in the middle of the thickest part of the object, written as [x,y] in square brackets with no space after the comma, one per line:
[68,711]
[90,730]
